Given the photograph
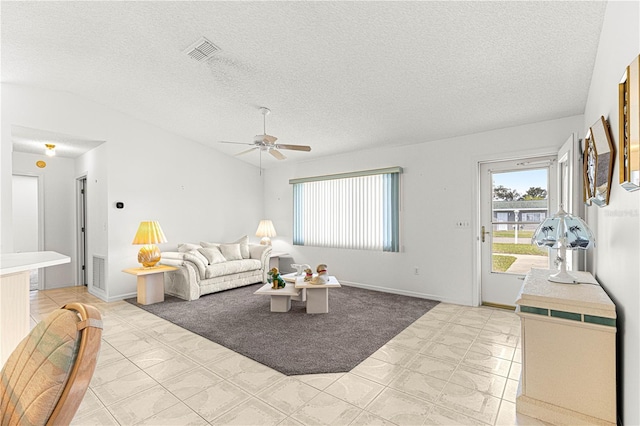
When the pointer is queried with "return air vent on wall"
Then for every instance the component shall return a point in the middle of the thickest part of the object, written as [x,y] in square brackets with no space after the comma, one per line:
[201,50]
[98,272]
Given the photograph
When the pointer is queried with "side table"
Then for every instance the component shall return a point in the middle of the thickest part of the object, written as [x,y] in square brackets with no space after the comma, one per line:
[150,283]
[568,351]
[274,260]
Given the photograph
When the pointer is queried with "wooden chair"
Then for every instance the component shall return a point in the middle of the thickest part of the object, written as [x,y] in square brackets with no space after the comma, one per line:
[45,378]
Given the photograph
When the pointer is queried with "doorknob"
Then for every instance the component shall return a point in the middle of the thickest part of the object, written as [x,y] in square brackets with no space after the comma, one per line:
[483,233]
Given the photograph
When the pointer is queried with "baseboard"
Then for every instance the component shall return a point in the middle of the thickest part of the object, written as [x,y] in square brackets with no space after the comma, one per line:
[100,294]
[499,306]
[403,292]
[122,297]
[103,296]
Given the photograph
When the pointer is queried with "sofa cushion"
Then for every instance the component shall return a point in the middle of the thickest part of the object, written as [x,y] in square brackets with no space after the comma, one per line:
[232,267]
[231,251]
[187,247]
[212,254]
[206,244]
[244,246]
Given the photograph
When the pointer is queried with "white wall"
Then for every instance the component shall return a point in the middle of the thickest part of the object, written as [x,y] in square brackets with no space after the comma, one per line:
[195,192]
[439,187]
[616,258]
[59,213]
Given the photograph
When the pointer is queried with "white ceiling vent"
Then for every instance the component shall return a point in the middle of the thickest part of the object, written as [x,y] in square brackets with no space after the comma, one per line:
[201,50]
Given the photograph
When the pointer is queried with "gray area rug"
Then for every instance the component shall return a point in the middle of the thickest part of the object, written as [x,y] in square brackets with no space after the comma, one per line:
[359,322]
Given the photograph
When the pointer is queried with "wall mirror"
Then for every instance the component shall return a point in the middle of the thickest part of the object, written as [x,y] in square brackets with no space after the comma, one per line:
[598,166]
[629,114]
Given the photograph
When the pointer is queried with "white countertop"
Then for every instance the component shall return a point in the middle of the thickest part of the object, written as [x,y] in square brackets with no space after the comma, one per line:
[11,263]
[588,298]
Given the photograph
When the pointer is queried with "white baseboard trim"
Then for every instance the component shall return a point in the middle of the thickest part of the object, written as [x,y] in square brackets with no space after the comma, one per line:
[403,292]
[122,297]
[100,294]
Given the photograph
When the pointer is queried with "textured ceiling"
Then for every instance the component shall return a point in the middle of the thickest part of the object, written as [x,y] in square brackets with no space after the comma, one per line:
[32,141]
[339,76]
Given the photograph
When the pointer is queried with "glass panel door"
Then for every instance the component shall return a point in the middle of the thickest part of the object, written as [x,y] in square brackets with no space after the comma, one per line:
[515,196]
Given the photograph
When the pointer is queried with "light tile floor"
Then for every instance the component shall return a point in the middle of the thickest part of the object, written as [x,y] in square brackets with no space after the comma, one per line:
[456,365]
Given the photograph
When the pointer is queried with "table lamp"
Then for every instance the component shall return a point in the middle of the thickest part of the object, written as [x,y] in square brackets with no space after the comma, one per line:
[149,233]
[564,232]
[266,231]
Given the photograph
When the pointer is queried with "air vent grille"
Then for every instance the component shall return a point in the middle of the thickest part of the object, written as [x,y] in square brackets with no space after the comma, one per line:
[98,272]
[201,50]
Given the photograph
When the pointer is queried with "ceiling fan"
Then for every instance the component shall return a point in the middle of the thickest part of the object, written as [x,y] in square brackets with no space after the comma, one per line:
[265,142]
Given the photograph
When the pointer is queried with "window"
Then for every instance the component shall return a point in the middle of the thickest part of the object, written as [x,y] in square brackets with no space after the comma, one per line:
[357,210]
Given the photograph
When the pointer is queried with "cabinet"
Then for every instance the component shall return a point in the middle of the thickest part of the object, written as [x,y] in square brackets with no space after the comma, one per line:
[568,351]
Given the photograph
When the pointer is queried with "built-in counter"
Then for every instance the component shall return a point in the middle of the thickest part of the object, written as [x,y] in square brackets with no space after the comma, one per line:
[14,294]
[568,351]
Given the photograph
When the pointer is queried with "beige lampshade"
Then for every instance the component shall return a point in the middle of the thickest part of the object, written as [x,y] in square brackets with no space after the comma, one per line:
[149,232]
[265,230]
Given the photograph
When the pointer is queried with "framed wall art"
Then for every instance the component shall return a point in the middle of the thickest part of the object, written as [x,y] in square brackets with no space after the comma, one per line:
[629,117]
[598,163]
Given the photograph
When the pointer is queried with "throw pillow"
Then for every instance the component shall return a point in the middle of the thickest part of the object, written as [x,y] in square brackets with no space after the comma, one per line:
[208,245]
[212,254]
[187,247]
[244,246]
[231,251]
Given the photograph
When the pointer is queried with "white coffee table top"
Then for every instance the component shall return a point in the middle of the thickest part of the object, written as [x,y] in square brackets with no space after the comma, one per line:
[301,283]
[288,290]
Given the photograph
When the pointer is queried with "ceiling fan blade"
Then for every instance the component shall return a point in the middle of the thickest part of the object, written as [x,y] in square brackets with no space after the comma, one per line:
[247,151]
[269,139]
[294,147]
[236,143]
[277,154]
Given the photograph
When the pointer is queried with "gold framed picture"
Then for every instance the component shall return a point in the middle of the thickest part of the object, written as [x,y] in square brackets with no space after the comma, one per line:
[629,118]
[598,163]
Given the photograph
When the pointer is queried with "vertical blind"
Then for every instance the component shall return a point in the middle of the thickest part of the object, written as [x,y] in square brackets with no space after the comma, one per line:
[357,210]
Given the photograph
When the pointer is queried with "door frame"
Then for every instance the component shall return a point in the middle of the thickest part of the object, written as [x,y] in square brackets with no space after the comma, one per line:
[81,210]
[476,203]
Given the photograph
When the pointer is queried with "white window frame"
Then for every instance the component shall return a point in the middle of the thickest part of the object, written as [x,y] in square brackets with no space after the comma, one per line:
[356,210]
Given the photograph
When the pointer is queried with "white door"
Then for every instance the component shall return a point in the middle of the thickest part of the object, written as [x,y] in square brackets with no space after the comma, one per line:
[524,192]
[569,192]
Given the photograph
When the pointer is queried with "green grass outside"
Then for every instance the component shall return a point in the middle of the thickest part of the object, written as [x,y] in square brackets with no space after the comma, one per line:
[501,263]
[512,234]
[509,248]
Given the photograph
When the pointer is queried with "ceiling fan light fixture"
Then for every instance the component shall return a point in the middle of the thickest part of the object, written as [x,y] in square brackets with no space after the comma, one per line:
[51,150]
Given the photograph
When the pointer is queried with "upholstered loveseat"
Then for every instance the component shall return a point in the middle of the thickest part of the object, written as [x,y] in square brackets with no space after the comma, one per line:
[212,267]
